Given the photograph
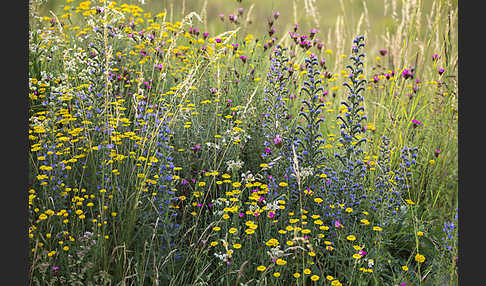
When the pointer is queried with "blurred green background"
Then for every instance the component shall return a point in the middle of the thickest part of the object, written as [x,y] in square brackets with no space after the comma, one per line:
[378,13]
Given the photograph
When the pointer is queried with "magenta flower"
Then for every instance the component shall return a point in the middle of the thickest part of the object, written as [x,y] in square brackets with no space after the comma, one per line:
[416,123]
[437,152]
[277,141]
[441,71]
[337,224]
[383,52]
[313,32]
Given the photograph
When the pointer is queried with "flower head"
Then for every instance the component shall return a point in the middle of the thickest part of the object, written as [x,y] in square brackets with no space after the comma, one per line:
[383,52]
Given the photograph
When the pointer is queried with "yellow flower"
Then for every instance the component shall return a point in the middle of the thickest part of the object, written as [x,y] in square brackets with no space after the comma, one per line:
[276,274]
[214,243]
[307,271]
[377,228]
[324,227]
[351,237]
[405,268]
[237,246]
[329,277]
[314,277]
[283,184]
[232,230]
[272,242]
[365,221]
[280,262]
[419,258]
[296,275]
[261,268]
[249,231]
[410,202]
[420,233]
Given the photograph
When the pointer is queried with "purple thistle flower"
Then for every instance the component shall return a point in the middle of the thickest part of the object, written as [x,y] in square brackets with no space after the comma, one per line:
[240,11]
[296,27]
[218,40]
[221,16]
[313,32]
[232,17]
[435,57]
[383,52]
[275,15]
[271,31]
[441,71]
[416,123]
[407,74]
[243,58]
[437,152]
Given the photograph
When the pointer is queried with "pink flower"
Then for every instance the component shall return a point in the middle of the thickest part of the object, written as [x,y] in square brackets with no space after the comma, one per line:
[337,224]
[277,141]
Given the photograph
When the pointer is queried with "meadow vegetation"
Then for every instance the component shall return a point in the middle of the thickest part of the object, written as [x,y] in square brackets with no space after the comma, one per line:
[171,143]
